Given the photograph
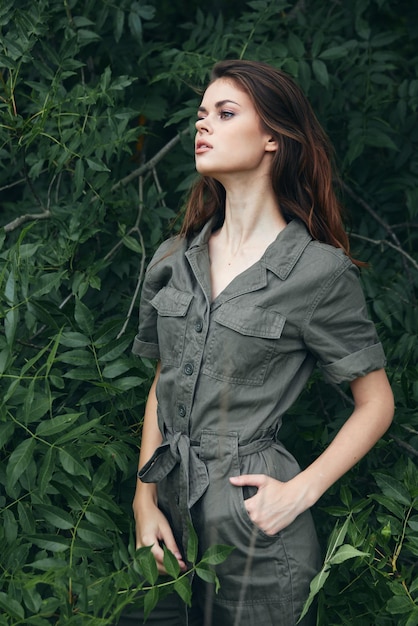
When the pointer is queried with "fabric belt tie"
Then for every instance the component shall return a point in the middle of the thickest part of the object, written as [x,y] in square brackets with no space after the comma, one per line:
[177,448]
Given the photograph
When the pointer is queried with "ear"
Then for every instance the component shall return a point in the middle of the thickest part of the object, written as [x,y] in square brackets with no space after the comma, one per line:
[271,145]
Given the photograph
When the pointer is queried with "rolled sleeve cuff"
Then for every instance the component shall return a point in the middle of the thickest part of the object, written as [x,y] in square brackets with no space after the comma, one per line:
[355,365]
[146,349]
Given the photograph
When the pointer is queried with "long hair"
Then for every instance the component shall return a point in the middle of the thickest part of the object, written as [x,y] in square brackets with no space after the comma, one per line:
[301,173]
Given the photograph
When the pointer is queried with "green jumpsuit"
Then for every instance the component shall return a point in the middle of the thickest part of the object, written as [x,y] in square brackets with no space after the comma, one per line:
[230,369]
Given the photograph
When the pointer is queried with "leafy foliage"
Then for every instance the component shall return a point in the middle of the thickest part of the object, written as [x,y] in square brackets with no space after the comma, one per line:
[97,103]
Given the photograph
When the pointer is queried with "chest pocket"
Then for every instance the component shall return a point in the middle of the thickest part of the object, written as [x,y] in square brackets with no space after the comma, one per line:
[241,343]
[172,306]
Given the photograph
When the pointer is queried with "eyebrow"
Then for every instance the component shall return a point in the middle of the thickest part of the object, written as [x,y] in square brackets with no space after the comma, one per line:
[218,105]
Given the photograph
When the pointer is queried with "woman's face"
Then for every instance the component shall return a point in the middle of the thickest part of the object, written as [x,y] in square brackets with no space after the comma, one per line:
[230,139]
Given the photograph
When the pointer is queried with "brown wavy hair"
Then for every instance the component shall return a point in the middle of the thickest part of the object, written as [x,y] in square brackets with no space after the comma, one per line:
[302,168]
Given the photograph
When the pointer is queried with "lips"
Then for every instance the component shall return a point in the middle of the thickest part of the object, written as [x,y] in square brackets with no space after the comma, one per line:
[202,146]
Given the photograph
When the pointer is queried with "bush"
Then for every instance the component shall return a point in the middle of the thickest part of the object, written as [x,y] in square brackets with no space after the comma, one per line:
[97,106]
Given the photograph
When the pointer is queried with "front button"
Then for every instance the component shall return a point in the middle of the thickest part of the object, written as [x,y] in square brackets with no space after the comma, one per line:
[188,369]
[181,410]
[198,327]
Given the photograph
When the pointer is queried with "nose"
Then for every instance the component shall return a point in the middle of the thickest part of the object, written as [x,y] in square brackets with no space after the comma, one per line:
[203,125]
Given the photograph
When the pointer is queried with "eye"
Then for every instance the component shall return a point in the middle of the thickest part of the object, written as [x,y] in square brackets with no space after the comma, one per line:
[226,115]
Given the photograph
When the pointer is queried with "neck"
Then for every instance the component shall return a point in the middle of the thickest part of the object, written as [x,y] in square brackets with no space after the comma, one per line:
[252,216]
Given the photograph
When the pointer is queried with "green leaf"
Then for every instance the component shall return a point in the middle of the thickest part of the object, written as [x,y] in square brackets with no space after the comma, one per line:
[93,537]
[399,605]
[56,516]
[336,52]
[295,45]
[150,601]
[79,176]
[100,519]
[11,607]
[46,470]
[344,553]
[11,320]
[389,504]
[147,564]
[135,25]
[10,526]
[114,349]
[379,139]
[320,72]
[19,461]
[57,424]
[53,543]
[10,289]
[392,488]
[6,432]
[183,589]
[146,11]
[336,538]
[132,244]
[72,464]
[216,554]
[83,358]
[116,368]
[97,165]
[412,618]
[192,544]
[119,23]
[316,585]
[26,518]
[32,600]
[74,340]
[205,572]
[83,373]
[171,564]
[47,283]
[127,383]
[75,433]
[84,317]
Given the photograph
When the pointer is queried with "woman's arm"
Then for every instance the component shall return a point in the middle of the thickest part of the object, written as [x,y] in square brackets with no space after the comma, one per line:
[277,504]
[152,527]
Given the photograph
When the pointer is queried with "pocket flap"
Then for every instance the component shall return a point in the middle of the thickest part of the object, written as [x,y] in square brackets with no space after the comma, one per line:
[171,302]
[253,321]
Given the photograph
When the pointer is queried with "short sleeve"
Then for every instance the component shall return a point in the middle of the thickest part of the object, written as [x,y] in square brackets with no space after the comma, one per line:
[146,341]
[339,332]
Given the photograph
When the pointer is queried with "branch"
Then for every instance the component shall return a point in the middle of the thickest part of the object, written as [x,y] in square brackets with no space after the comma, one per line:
[136,291]
[26,218]
[150,165]
[379,242]
[372,212]
[142,266]
[406,446]
[387,228]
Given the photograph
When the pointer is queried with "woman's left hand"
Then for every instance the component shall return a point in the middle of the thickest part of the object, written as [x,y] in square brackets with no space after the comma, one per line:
[276,504]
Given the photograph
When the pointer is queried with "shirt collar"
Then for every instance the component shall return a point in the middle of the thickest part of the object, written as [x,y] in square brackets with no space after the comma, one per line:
[281,256]
[285,251]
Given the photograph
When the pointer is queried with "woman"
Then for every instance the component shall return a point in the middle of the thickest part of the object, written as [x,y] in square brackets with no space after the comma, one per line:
[257,289]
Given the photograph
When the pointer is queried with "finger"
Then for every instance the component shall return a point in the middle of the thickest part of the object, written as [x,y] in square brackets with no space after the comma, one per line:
[167,538]
[254,480]
[158,554]
[174,549]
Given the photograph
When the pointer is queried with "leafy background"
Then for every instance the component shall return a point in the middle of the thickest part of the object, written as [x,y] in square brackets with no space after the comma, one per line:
[97,103]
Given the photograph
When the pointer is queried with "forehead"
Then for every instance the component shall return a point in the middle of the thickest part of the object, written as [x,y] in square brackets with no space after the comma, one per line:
[225,89]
